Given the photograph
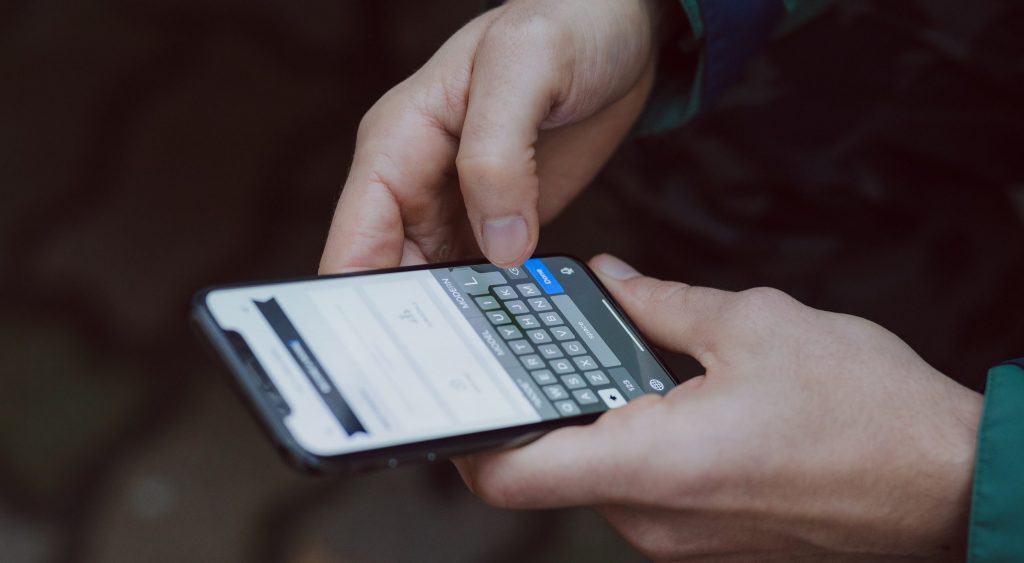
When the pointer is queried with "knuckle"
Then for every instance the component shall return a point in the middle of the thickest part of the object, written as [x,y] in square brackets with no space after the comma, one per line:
[759,303]
[366,124]
[516,28]
[388,105]
[478,167]
[480,171]
[372,121]
[664,294]
[501,177]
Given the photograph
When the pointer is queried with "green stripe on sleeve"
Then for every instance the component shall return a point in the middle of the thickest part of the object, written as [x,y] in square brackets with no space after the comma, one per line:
[997,504]
[692,9]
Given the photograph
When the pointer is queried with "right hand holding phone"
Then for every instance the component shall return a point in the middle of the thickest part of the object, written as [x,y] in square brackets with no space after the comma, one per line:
[495,134]
[811,435]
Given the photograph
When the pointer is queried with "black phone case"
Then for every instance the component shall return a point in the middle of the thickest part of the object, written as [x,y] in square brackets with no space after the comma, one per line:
[247,384]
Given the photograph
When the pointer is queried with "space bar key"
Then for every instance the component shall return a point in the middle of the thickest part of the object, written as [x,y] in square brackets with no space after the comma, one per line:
[575,317]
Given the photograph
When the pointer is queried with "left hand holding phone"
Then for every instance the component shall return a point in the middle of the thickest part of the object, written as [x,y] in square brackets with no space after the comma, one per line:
[811,434]
[506,123]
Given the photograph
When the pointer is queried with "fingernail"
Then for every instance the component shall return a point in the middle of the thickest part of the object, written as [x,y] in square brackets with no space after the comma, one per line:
[615,268]
[505,239]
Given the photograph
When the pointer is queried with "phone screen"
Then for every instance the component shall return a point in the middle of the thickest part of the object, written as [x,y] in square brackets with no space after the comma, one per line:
[368,361]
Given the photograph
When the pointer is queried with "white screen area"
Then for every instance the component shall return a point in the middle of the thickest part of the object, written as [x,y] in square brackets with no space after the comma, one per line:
[395,349]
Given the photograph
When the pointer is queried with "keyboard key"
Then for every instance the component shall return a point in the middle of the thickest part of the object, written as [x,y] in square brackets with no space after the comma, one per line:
[567,408]
[539,336]
[528,289]
[509,332]
[476,283]
[596,378]
[516,273]
[543,276]
[574,348]
[585,396]
[562,333]
[550,351]
[520,347]
[498,317]
[585,362]
[543,377]
[628,385]
[505,292]
[540,304]
[516,307]
[587,332]
[550,319]
[562,366]
[527,321]
[555,392]
[487,303]
[532,361]
[655,384]
[612,397]
[574,381]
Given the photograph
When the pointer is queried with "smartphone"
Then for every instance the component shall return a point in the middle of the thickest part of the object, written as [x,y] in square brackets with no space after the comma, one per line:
[376,369]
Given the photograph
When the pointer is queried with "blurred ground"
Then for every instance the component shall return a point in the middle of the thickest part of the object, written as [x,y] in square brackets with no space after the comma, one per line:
[869,164]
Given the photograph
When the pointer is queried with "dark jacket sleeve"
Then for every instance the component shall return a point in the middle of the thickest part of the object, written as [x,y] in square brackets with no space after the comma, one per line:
[702,61]
[997,502]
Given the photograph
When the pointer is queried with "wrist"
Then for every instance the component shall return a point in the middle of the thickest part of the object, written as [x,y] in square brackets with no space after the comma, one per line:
[916,491]
[954,448]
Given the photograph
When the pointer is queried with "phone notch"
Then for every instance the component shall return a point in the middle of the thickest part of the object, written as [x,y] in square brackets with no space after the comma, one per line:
[253,366]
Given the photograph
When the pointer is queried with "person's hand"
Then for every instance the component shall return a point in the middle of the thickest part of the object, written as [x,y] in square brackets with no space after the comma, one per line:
[811,435]
[495,134]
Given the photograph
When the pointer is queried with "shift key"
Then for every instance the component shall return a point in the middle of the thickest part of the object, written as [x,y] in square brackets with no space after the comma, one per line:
[574,317]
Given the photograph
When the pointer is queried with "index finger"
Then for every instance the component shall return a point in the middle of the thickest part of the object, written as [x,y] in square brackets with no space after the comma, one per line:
[571,466]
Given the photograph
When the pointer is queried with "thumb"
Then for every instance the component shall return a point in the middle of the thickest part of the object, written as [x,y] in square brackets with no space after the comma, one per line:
[513,85]
[673,315]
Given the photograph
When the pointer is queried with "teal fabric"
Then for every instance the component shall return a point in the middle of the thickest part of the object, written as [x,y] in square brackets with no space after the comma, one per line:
[692,9]
[996,532]
[675,99]
[799,11]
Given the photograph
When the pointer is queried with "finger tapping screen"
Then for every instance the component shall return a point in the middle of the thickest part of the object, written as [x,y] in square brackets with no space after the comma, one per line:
[384,359]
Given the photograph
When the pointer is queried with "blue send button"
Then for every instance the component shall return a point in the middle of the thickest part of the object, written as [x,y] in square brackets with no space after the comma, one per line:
[543,275]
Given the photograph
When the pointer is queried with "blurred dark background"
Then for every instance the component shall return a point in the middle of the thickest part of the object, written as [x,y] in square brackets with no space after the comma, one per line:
[869,162]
